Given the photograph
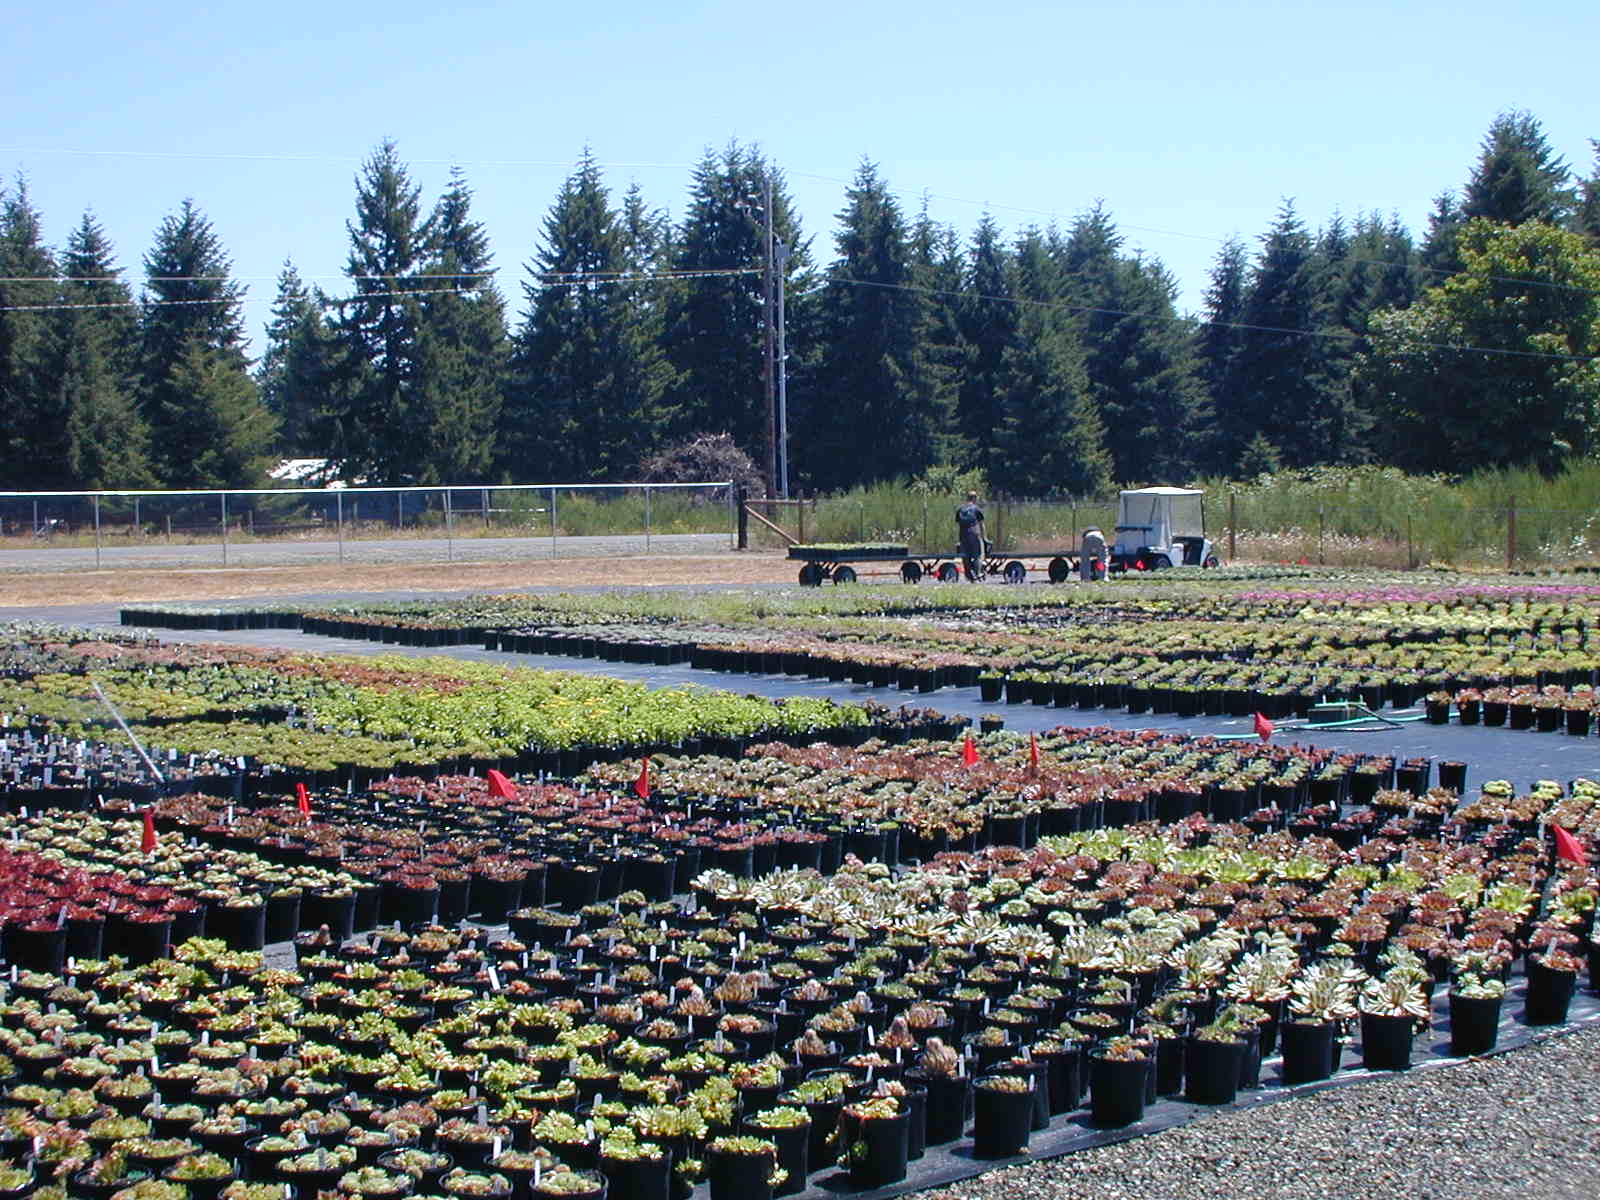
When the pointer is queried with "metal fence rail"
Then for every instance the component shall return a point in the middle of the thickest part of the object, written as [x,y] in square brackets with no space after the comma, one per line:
[264,526]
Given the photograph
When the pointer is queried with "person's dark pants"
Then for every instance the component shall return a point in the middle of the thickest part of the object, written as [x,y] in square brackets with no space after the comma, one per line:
[972,555]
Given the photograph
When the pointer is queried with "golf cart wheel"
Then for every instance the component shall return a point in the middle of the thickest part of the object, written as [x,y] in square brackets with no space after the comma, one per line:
[948,572]
[1060,570]
[1015,572]
[911,572]
[844,575]
[1213,561]
[811,575]
[1160,562]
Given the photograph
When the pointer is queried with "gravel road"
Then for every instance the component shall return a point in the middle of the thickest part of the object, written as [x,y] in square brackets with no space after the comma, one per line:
[1524,1124]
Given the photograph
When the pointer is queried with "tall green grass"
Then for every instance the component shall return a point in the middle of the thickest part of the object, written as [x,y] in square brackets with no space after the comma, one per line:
[1374,516]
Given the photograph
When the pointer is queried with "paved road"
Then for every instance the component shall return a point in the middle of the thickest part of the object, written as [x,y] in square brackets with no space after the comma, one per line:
[1521,756]
[397,550]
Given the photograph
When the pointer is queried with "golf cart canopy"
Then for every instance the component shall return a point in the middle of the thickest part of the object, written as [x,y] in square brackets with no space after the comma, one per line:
[1154,516]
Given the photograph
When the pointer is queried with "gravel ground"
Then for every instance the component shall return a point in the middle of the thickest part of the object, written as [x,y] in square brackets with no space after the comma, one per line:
[1523,1124]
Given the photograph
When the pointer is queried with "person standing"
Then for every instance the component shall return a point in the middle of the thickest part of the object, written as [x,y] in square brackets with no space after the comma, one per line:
[969,525]
[1092,555]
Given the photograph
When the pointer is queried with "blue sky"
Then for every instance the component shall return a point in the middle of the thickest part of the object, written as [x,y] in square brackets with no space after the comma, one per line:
[1190,121]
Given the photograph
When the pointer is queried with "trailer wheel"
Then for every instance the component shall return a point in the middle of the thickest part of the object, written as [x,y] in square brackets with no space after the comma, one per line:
[1059,570]
[844,575]
[1160,562]
[910,572]
[948,572]
[1015,572]
[811,575]
[1213,561]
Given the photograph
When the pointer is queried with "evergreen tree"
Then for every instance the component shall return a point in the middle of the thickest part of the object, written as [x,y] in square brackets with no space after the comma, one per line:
[1280,385]
[938,272]
[1587,218]
[1220,342]
[1049,439]
[223,436]
[588,383]
[296,371]
[191,332]
[378,432]
[1139,355]
[27,288]
[988,320]
[461,347]
[1519,177]
[715,324]
[872,373]
[99,439]
[1439,259]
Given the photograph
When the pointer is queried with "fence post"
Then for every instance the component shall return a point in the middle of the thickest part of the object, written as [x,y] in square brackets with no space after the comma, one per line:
[169,529]
[1411,553]
[338,518]
[552,522]
[925,545]
[449,529]
[741,519]
[136,528]
[486,510]
[1321,525]
[800,508]
[1233,526]
[647,518]
[97,531]
[224,499]
[1511,533]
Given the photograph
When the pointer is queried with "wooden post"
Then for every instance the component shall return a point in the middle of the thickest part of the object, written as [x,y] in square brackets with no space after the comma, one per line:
[741,499]
[800,508]
[1233,526]
[1411,553]
[1511,534]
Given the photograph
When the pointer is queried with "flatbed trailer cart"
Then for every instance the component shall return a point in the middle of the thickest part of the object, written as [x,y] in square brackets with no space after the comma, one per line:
[839,564]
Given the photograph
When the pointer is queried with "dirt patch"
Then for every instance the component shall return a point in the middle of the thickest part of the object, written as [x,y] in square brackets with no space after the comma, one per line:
[45,589]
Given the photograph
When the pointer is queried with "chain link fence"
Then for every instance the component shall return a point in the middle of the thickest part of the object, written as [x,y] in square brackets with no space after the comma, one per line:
[362,525]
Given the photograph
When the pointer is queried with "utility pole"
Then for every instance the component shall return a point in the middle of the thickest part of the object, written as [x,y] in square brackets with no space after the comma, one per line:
[769,338]
[782,262]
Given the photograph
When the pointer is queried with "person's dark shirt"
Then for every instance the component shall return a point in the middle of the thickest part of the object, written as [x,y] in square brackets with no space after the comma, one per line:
[968,516]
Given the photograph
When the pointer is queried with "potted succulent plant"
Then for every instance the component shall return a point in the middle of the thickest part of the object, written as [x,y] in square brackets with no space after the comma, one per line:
[1475,1003]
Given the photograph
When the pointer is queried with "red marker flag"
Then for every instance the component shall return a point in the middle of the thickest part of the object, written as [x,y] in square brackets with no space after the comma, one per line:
[1033,752]
[147,843]
[969,752]
[641,785]
[1264,727]
[500,786]
[303,799]
[1569,848]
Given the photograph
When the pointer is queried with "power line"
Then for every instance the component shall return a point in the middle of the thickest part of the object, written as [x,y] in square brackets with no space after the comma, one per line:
[569,279]
[1335,334]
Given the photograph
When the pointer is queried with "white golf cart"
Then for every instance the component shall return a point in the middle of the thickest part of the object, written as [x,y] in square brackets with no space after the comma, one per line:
[1160,527]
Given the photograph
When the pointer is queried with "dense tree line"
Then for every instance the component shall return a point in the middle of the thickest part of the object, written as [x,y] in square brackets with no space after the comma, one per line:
[1050,361]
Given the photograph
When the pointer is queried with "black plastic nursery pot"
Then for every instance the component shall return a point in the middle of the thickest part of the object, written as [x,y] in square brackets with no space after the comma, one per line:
[739,1176]
[1386,1041]
[886,1146]
[1211,1070]
[640,1178]
[1002,1121]
[949,1098]
[1117,1089]
[794,1154]
[337,911]
[1549,994]
[1474,1023]
[33,948]
[1308,1053]
[241,927]
[140,941]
